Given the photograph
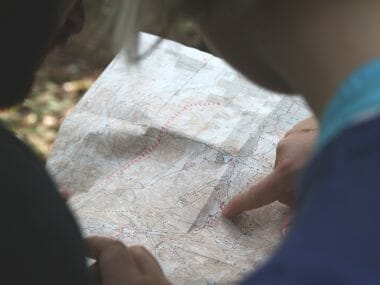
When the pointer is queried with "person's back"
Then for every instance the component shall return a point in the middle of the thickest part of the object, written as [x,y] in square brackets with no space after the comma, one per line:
[40,241]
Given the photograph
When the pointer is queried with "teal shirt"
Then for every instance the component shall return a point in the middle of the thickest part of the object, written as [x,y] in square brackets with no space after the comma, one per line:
[357,100]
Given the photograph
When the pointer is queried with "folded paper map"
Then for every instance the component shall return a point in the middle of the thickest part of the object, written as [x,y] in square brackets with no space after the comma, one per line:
[152,153]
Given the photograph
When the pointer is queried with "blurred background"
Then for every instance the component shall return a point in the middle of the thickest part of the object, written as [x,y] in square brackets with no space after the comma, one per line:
[70,71]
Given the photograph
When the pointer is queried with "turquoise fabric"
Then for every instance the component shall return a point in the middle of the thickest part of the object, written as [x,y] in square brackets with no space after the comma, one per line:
[358,95]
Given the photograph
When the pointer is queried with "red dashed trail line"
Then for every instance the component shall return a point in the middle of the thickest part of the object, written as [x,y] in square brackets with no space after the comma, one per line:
[146,153]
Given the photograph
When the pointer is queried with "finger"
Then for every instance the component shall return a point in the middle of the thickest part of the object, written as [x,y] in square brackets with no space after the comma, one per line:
[264,192]
[96,245]
[309,124]
[106,247]
[113,258]
[144,260]
[65,193]
[288,197]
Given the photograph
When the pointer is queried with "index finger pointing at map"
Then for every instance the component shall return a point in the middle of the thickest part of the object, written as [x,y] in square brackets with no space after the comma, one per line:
[264,192]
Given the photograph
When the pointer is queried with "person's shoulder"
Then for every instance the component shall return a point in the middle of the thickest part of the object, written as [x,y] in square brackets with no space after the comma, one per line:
[21,169]
[43,241]
[357,146]
[11,146]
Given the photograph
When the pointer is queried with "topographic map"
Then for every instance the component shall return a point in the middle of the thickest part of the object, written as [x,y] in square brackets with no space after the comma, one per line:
[152,153]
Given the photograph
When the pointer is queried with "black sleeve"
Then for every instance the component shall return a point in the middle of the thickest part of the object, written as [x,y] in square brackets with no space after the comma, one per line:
[40,242]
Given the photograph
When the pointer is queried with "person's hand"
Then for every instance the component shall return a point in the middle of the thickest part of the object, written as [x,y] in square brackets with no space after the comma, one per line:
[291,154]
[117,264]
